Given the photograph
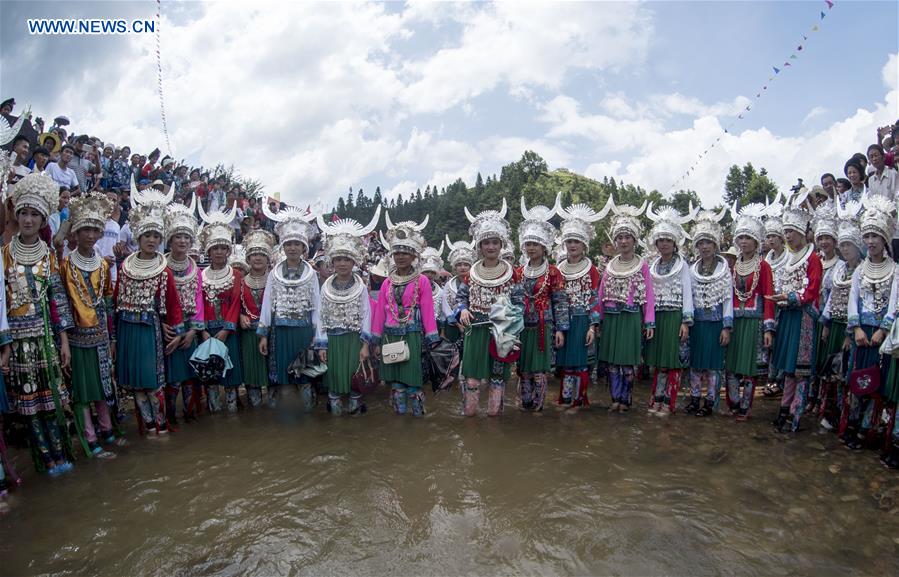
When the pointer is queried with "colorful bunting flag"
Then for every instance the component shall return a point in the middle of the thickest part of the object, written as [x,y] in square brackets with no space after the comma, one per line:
[829,4]
[776,69]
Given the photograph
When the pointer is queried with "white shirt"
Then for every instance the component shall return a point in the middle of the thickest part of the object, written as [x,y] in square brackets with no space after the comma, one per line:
[62,176]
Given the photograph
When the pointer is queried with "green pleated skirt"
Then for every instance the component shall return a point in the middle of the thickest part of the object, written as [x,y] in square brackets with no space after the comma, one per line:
[706,352]
[177,366]
[663,349]
[255,370]
[476,360]
[343,360]
[574,355]
[742,352]
[793,343]
[407,372]
[86,382]
[288,342]
[139,364]
[620,341]
[833,343]
[891,390]
[532,359]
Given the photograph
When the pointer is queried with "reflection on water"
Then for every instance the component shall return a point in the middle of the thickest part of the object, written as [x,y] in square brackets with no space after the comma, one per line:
[590,493]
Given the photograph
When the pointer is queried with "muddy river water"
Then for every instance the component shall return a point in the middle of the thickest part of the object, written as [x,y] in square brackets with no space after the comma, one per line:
[591,493]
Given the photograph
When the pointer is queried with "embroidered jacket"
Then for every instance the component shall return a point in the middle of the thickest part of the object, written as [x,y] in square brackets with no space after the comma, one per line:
[222,306]
[477,297]
[801,282]
[545,300]
[756,305]
[291,298]
[582,290]
[349,313]
[189,285]
[871,304]
[251,303]
[837,306]
[145,301]
[28,290]
[403,309]
[713,295]
[674,289]
[628,294]
[90,298]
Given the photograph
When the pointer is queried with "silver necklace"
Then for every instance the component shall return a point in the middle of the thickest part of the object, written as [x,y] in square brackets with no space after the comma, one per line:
[342,295]
[576,270]
[28,255]
[536,271]
[143,269]
[86,263]
[256,282]
[178,265]
[621,269]
[493,276]
[747,267]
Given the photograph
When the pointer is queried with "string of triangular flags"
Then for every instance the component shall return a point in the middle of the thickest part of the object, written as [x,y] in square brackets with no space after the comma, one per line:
[759,94]
[165,127]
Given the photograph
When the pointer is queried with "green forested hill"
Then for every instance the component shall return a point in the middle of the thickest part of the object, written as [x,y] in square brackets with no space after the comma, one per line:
[530,177]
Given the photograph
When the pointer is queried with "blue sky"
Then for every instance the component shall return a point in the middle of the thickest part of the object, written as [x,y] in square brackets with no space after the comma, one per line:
[313,98]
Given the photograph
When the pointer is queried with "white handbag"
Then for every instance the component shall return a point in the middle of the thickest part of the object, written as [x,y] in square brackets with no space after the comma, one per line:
[393,353]
[890,344]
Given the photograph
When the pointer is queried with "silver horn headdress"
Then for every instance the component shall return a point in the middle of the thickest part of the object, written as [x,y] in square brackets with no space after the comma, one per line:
[343,237]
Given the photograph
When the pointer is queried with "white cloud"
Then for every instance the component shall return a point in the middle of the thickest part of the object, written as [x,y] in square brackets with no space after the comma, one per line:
[655,156]
[527,45]
[814,113]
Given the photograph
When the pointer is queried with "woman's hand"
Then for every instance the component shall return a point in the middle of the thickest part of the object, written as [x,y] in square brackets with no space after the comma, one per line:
[724,339]
[323,355]
[591,336]
[767,340]
[363,353]
[244,322]
[559,339]
[188,339]
[222,335]
[263,346]
[825,332]
[684,332]
[168,332]
[465,318]
[649,334]
[878,337]
[861,339]
[173,344]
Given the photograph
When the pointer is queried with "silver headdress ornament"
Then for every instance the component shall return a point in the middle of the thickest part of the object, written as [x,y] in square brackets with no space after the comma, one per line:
[432,259]
[708,226]
[7,134]
[343,237]
[748,221]
[489,224]
[293,224]
[404,236]
[536,226]
[878,216]
[627,219]
[259,241]
[848,230]
[578,222]
[774,216]
[459,251]
[180,219]
[824,222]
[238,258]
[507,253]
[37,191]
[795,216]
[217,230]
[148,210]
[669,224]
[90,210]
